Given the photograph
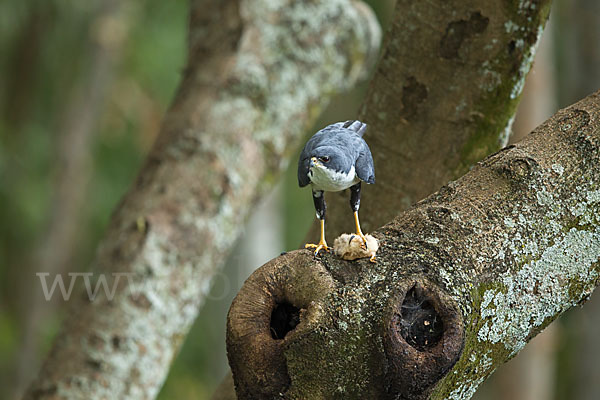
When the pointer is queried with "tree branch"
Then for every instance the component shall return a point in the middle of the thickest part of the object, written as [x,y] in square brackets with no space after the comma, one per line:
[258,74]
[464,280]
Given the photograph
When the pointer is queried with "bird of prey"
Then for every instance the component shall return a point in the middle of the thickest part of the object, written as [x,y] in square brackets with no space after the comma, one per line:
[334,159]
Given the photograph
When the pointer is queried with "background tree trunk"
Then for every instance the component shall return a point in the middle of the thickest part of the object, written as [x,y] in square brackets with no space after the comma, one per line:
[464,280]
[258,73]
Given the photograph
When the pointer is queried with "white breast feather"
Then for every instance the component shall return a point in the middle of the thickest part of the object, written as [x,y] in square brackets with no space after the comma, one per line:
[331,181]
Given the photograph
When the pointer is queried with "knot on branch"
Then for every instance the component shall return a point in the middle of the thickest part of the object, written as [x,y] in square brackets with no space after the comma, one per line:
[574,121]
[518,169]
[279,300]
[513,163]
[459,31]
[413,94]
[576,127]
[423,339]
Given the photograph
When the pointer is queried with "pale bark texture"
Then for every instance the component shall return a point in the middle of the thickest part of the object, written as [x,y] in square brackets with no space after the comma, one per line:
[443,97]
[464,280]
[532,374]
[258,74]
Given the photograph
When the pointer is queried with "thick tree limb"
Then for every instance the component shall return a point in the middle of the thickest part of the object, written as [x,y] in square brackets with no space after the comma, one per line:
[443,97]
[258,73]
[465,278]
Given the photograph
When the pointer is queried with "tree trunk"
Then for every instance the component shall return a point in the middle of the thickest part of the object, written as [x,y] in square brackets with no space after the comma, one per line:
[258,74]
[463,281]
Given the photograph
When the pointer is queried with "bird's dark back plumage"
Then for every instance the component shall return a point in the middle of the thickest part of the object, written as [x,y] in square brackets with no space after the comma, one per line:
[344,144]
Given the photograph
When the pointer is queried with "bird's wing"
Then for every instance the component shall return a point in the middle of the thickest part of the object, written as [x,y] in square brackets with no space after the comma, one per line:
[364,163]
[304,163]
[303,167]
[356,126]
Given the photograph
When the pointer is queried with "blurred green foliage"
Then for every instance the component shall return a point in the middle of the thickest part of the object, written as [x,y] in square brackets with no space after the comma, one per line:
[46,55]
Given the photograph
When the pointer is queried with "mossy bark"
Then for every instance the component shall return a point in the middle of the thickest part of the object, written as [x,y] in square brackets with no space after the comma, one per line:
[464,280]
[257,75]
[443,97]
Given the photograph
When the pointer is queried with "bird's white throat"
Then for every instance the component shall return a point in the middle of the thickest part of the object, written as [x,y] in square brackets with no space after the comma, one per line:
[331,181]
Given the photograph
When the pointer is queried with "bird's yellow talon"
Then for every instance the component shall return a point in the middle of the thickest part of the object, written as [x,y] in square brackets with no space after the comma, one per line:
[317,247]
[364,244]
[322,245]
[359,231]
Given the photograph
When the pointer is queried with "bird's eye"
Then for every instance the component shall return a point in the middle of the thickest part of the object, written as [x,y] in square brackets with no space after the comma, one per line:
[324,158]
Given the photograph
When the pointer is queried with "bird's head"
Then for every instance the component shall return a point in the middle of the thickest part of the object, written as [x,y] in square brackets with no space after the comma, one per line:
[329,157]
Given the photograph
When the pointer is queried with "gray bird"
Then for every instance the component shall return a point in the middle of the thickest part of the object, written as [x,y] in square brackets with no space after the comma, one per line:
[334,159]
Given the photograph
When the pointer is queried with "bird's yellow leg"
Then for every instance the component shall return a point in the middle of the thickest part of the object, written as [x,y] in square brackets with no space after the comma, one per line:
[358,231]
[322,243]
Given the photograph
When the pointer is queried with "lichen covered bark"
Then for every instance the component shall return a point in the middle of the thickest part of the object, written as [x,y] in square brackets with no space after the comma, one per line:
[544,256]
[443,97]
[258,73]
[464,280]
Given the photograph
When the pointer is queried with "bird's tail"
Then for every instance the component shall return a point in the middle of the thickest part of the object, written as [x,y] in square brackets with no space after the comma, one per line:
[355,125]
